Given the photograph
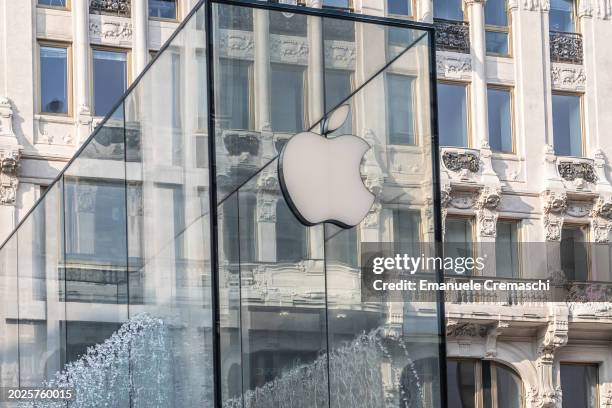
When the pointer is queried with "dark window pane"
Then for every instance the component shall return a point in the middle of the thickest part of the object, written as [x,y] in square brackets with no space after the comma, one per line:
[235,18]
[458,239]
[574,253]
[452,111]
[399,7]
[561,16]
[341,246]
[288,24]
[567,125]
[500,119]
[52,3]
[407,231]
[461,384]
[338,30]
[291,235]
[579,385]
[287,98]
[338,86]
[506,250]
[497,42]
[54,80]
[110,79]
[399,106]
[233,106]
[162,8]
[495,13]
[509,387]
[448,9]
[341,4]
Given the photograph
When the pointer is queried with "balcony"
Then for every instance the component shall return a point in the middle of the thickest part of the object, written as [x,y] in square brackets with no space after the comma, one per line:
[120,8]
[566,47]
[452,35]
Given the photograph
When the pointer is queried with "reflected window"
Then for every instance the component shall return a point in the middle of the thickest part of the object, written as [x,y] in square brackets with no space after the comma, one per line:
[239,229]
[288,24]
[291,235]
[162,9]
[338,4]
[109,79]
[561,16]
[54,79]
[399,108]
[579,385]
[567,124]
[574,252]
[407,231]
[338,30]
[452,114]
[399,7]
[507,262]
[53,3]
[448,10]
[235,18]
[496,25]
[339,85]
[500,119]
[341,246]
[287,97]
[458,239]
[461,384]
[234,107]
[202,90]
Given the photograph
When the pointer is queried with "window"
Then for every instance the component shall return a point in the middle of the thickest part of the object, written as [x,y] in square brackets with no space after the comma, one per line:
[162,9]
[234,105]
[579,385]
[339,85]
[399,7]
[507,261]
[53,3]
[341,246]
[458,238]
[500,119]
[291,235]
[483,383]
[287,98]
[574,252]
[239,229]
[407,231]
[448,10]
[452,108]
[561,16]
[399,109]
[54,79]
[109,79]
[338,4]
[496,25]
[567,124]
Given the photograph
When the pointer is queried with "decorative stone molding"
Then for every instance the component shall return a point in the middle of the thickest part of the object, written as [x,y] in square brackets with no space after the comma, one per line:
[267,180]
[535,5]
[452,36]
[454,328]
[460,161]
[486,213]
[86,198]
[577,171]
[340,54]
[266,208]
[492,334]
[553,337]
[566,47]
[606,396]
[112,7]
[568,77]
[286,49]
[239,142]
[236,44]
[554,204]
[113,31]
[10,155]
[601,222]
[454,67]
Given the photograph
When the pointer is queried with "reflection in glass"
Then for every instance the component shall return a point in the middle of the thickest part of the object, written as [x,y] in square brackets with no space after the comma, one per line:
[399,7]
[287,98]
[400,115]
[109,79]
[458,240]
[461,383]
[497,42]
[452,106]
[54,79]
[234,105]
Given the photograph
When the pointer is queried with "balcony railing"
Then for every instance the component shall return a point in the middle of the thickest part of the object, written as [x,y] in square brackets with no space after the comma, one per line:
[566,47]
[113,7]
[452,35]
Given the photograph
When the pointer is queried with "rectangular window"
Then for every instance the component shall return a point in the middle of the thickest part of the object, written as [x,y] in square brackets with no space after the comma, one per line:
[567,124]
[337,4]
[287,98]
[561,17]
[500,119]
[162,9]
[234,104]
[496,25]
[341,246]
[448,10]
[400,116]
[461,383]
[507,261]
[458,239]
[579,385]
[407,231]
[291,235]
[574,252]
[54,79]
[399,7]
[53,3]
[452,108]
[110,76]
[338,86]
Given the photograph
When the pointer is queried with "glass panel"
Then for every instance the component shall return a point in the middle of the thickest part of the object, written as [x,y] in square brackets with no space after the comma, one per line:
[574,252]
[567,125]
[500,119]
[291,235]
[509,387]
[496,13]
[109,79]
[461,384]
[53,79]
[338,85]
[579,385]
[399,7]
[52,3]
[452,106]
[338,4]
[458,241]
[9,309]
[407,231]
[287,94]
[286,23]
[561,16]
[401,119]
[497,42]
[448,9]
[507,262]
[162,8]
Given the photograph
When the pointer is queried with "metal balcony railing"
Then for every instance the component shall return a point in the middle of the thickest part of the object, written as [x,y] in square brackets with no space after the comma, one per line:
[112,7]
[566,47]
[452,35]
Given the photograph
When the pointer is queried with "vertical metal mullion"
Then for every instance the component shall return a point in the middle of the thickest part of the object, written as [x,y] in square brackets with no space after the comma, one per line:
[437,215]
[212,211]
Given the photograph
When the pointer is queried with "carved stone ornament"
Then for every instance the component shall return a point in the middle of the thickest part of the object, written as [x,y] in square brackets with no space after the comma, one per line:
[602,208]
[454,67]
[457,161]
[572,171]
[487,214]
[289,49]
[492,334]
[239,142]
[554,337]
[9,166]
[455,328]
[452,36]
[112,7]
[568,76]
[566,47]
[266,209]
[111,30]
[554,205]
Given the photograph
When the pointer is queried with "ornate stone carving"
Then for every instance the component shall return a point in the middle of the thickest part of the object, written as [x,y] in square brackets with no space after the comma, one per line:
[454,67]
[578,209]
[536,5]
[554,204]
[566,47]
[492,333]
[112,7]
[606,396]
[602,208]
[554,337]
[267,180]
[289,49]
[603,9]
[572,171]
[457,161]
[568,76]
[452,36]
[111,30]
[266,209]
[236,44]
[455,328]
[9,166]
[486,211]
[86,198]
[340,54]
[239,142]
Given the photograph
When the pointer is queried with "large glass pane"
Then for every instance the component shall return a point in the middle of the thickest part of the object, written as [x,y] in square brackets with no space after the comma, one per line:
[461,384]
[497,42]
[561,16]
[509,387]
[452,106]
[53,79]
[500,119]
[496,13]
[507,262]
[448,9]
[9,309]
[579,385]
[574,252]
[401,120]
[162,8]
[567,124]
[287,94]
[109,79]
[399,7]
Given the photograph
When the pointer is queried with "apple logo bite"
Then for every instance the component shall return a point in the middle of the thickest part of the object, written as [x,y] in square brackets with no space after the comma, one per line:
[320,177]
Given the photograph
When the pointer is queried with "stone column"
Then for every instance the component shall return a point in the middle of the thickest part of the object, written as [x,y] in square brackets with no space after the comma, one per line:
[479,117]
[140,23]
[424,10]
[262,69]
[81,58]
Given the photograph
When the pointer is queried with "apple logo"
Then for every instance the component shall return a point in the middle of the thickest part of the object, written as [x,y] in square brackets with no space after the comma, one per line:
[320,177]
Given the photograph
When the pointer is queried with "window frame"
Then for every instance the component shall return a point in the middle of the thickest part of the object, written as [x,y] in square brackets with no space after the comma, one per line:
[501,29]
[585,363]
[575,20]
[580,96]
[176,18]
[519,239]
[463,12]
[471,218]
[415,127]
[587,240]
[250,87]
[510,89]
[128,70]
[411,16]
[350,8]
[69,80]
[67,7]
[468,110]
[305,88]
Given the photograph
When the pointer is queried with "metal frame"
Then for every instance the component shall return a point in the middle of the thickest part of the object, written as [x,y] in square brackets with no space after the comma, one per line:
[429,32]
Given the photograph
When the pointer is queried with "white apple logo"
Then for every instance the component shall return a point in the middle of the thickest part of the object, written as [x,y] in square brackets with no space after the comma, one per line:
[320,177]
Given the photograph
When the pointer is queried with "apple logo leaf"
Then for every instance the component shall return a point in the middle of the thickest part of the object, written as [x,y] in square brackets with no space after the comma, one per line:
[336,119]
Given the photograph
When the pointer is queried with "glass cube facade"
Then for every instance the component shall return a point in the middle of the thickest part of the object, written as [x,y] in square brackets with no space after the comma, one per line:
[166,269]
